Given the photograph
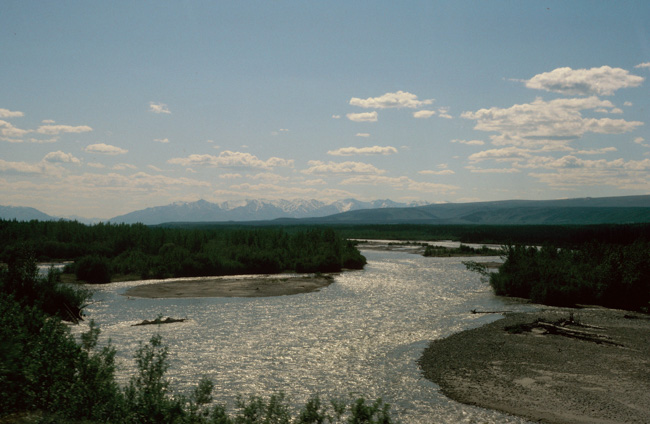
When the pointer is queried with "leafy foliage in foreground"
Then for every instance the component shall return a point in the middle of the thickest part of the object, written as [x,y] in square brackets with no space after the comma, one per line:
[103,250]
[46,372]
[612,275]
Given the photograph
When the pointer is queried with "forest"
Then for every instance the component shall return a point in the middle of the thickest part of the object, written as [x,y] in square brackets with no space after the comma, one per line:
[595,273]
[104,252]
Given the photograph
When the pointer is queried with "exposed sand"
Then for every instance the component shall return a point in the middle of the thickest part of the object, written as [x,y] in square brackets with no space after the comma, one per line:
[232,287]
[548,377]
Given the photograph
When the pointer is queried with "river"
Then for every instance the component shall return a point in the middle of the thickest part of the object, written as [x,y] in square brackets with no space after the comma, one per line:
[360,336]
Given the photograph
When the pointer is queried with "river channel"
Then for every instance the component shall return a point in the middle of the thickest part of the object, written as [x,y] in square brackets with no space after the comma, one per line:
[360,336]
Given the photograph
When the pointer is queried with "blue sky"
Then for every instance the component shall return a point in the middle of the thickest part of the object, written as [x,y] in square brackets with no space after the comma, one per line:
[110,107]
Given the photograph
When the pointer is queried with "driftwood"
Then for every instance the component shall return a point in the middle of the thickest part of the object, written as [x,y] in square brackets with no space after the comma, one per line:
[167,320]
[560,330]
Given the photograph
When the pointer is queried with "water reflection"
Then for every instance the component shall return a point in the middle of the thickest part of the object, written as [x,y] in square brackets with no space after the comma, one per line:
[361,335]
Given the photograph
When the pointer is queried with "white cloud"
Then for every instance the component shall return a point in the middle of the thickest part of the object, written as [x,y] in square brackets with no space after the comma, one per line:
[319,167]
[60,157]
[628,104]
[399,99]
[123,166]
[443,112]
[423,114]
[639,140]
[540,122]
[596,151]
[442,172]
[155,168]
[6,113]
[374,150]
[476,170]
[502,155]
[229,159]
[96,165]
[583,82]
[269,177]
[48,121]
[158,108]
[336,116]
[20,167]
[314,182]
[105,149]
[11,133]
[230,176]
[161,140]
[363,117]
[363,135]
[58,129]
[469,142]
[643,65]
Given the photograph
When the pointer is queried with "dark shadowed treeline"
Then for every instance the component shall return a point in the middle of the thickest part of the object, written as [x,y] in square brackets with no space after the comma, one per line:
[104,250]
[612,275]
[559,235]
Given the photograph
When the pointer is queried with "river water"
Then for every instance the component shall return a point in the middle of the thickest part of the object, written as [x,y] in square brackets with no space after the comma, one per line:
[360,336]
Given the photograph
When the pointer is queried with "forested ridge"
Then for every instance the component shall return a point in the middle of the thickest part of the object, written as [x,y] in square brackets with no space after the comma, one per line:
[104,250]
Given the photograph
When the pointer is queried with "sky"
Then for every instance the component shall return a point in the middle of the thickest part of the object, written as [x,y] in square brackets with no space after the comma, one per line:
[111,107]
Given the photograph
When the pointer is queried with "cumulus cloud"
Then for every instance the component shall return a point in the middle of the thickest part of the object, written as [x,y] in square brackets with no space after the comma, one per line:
[502,155]
[584,82]
[60,157]
[423,114]
[336,116]
[158,108]
[105,149]
[363,117]
[6,113]
[229,159]
[469,142]
[399,99]
[161,140]
[10,133]
[443,112]
[540,121]
[320,167]
[58,129]
[441,172]
[363,135]
[20,167]
[374,150]
[476,170]
[643,65]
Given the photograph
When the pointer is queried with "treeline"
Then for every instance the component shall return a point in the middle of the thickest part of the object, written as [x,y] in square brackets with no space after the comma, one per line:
[462,250]
[48,376]
[104,250]
[611,275]
[559,235]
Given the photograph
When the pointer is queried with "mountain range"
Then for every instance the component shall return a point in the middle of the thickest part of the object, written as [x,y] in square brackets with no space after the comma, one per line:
[578,211]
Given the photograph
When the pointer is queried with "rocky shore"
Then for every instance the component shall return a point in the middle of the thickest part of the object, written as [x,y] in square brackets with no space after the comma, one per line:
[557,365]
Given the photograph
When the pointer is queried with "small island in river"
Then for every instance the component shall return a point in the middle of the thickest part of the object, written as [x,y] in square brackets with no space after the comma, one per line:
[258,286]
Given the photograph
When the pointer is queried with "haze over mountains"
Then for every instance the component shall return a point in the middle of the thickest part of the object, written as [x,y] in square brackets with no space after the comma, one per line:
[603,210]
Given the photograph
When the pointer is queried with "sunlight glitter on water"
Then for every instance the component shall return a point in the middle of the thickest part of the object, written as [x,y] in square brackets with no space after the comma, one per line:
[361,335]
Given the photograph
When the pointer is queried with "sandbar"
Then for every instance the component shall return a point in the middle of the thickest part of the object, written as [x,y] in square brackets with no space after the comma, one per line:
[263,286]
[547,377]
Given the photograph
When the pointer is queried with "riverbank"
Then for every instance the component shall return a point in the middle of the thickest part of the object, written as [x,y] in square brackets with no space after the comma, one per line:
[262,286]
[516,366]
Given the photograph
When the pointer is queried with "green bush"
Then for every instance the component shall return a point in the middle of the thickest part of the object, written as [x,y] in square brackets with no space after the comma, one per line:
[93,269]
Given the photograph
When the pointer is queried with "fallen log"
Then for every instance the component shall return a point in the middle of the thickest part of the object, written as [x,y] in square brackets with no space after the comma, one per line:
[577,334]
[159,320]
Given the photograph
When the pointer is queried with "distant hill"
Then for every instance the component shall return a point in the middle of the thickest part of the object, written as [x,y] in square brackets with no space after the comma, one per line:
[248,210]
[578,211]
[22,213]
[583,211]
